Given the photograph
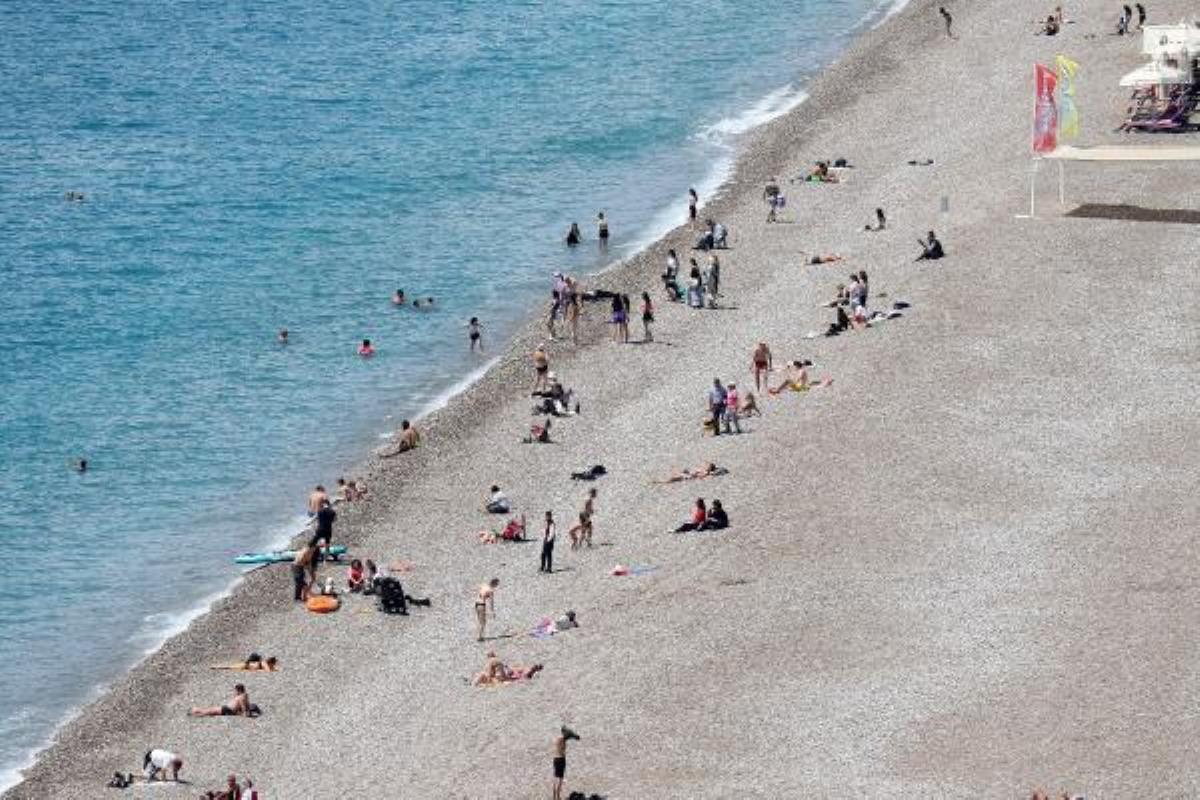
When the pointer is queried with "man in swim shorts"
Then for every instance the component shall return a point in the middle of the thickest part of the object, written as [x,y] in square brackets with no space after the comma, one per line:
[324,531]
[560,758]
[541,366]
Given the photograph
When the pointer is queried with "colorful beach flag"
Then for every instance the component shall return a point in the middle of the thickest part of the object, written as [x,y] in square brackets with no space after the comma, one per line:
[1068,112]
[1045,112]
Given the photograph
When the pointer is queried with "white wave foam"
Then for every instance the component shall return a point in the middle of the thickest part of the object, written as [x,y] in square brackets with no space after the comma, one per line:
[893,8]
[443,398]
[773,105]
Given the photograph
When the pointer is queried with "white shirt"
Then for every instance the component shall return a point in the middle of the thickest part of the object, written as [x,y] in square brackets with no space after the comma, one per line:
[160,760]
[548,534]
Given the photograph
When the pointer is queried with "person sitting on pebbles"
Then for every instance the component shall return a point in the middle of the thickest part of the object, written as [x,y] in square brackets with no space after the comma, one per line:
[240,706]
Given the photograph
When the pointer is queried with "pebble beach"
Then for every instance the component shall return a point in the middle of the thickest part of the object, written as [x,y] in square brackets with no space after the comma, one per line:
[962,569]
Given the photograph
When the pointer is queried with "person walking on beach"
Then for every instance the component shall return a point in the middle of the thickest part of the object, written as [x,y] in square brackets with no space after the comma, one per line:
[693,202]
[589,510]
[475,334]
[647,317]
[947,19]
[760,362]
[716,405]
[560,759]
[541,366]
[1141,11]
[485,600]
[573,310]
[712,279]
[602,230]
[771,196]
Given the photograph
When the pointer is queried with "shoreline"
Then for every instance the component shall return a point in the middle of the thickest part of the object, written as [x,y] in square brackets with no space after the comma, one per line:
[743,127]
[770,149]
[722,176]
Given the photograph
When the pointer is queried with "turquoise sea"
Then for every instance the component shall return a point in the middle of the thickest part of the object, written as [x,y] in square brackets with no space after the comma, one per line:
[248,167]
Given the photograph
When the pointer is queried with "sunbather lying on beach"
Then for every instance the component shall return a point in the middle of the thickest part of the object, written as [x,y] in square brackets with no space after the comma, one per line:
[821,174]
[253,663]
[590,474]
[707,470]
[496,672]
[240,706]
[829,258]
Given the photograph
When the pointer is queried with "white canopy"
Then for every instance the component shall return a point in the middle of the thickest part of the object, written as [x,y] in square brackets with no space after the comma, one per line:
[1156,74]
[1125,153]
[1181,38]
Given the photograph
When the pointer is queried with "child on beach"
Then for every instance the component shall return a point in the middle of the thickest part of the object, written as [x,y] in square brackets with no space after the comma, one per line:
[475,334]
[356,579]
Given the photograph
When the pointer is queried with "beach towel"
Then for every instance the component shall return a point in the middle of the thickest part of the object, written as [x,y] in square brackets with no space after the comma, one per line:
[544,629]
[620,570]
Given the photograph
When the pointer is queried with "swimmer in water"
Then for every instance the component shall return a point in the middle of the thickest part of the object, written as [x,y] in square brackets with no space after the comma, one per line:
[79,465]
[75,197]
[366,350]
[474,332]
[398,297]
[282,338]
[426,303]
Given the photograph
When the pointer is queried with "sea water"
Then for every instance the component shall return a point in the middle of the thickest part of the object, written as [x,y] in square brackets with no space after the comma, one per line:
[249,167]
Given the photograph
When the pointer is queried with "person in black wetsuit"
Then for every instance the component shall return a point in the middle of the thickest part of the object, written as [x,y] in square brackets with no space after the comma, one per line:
[324,530]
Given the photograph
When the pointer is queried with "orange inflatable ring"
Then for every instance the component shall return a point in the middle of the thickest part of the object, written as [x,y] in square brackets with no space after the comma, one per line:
[322,604]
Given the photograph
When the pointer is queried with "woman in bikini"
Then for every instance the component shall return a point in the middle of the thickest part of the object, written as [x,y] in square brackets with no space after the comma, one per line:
[708,470]
[795,379]
[541,365]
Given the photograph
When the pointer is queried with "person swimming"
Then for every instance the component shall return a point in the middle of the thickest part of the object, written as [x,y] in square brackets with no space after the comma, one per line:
[282,336]
[366,349]
[398,298]
[423,303]
[574,237]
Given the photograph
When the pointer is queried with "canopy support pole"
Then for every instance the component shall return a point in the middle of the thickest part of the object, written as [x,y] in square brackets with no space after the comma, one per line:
[1062,192]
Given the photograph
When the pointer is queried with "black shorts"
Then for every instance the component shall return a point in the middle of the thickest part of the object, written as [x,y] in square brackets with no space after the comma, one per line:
[604,233]
[560,767]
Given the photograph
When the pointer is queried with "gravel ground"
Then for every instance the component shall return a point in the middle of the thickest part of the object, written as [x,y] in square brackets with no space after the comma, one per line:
[963,570]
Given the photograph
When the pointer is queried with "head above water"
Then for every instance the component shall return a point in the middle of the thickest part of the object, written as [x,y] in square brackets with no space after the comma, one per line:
[405,425]
[494,582]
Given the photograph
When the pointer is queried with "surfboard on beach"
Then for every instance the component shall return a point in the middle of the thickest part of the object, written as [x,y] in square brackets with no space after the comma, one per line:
[275,556]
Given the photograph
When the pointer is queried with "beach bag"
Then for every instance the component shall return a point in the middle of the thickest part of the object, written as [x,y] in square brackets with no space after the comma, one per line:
[391,596]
